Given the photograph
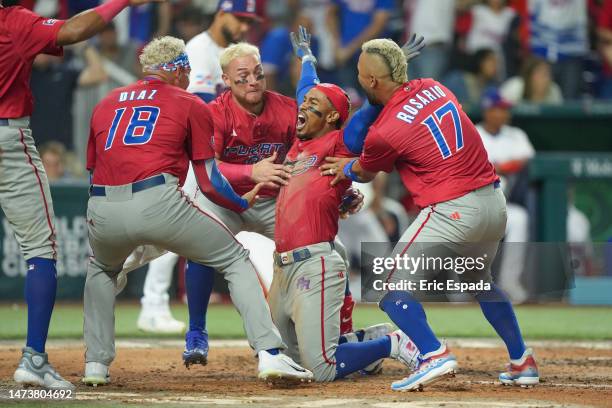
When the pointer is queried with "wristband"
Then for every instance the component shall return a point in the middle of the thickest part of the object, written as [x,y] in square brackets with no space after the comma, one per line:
[348,171]
[309,58]
[110,9]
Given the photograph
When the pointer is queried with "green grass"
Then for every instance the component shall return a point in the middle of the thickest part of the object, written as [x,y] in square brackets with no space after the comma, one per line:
[537,322]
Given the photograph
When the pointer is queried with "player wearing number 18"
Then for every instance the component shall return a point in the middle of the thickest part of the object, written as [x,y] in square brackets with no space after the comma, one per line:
[142,139]
[423,133]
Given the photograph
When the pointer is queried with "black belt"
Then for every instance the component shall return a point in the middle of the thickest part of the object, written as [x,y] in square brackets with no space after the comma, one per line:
[4,122]
[100,191]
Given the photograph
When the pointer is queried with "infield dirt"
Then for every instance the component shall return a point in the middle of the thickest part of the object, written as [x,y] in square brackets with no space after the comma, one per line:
[570,377]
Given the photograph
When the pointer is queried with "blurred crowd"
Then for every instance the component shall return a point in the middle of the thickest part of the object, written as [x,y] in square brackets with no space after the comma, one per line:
[491,53]
[537,51]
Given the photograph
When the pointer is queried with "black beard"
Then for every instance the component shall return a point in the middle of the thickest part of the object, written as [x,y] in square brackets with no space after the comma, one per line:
[227,35]
[371,99]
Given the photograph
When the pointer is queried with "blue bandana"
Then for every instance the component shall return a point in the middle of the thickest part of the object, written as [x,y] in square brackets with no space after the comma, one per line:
[181,61]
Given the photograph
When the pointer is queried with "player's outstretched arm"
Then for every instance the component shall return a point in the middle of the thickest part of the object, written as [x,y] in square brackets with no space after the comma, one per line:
[358,125]
[217,189]
[90,22]
[308,75]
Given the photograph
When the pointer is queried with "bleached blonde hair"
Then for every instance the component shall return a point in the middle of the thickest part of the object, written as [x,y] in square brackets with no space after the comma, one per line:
[393,56]
[242,49]
[161,50]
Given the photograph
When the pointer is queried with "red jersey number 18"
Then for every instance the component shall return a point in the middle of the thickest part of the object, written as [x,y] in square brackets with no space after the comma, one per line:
[140,128]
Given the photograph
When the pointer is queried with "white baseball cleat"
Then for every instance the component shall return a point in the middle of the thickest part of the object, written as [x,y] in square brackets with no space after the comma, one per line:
[96,374]
[159,323]
[522,372]
[280,369]
[34,369]
[433,367]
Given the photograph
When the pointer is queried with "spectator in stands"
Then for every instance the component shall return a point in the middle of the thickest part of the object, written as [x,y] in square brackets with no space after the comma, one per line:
[53,82]
[558,33]
[490,29]
[604,35]
[509,150]
[469,86]
[124,56]
[52,154]
[434,20]
[351,23]
[231,23]
[390,213]
[189,23]
[316,11]
[282,70]
[150,20]
[535,85]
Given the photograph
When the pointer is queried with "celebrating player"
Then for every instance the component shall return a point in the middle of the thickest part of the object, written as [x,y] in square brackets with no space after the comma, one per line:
[141,141]
[307,289]
[230,24]
[423,132]
[254,129]
[25,198]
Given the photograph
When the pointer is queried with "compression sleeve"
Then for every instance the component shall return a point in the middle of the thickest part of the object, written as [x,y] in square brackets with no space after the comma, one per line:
[215,187]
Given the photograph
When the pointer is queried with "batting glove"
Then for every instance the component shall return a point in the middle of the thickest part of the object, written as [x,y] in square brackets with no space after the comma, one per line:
[412,48]
[301,44]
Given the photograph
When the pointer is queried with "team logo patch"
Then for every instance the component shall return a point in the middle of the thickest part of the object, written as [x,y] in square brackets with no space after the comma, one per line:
[49,22]
[302,165]
[303,283]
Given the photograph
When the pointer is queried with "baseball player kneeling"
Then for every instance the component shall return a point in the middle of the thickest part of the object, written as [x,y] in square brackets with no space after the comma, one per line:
[142,139]
[309,277]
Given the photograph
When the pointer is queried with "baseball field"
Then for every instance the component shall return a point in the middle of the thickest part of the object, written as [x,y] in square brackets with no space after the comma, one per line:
[573,346]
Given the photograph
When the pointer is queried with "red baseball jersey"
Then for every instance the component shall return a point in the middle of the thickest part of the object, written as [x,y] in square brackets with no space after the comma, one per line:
[424,133]
[307,208]
[145,129]
[23,35]
[244,138]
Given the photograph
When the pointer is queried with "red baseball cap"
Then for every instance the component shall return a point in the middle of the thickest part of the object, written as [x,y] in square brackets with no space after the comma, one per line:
[338,98]
[242,8]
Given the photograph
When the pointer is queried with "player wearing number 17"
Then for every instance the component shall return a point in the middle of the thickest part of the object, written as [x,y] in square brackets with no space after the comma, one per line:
[423,133]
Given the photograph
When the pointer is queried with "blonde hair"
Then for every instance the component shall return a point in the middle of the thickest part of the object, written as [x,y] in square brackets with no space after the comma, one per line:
[242,49]
[161,50]
[393,56]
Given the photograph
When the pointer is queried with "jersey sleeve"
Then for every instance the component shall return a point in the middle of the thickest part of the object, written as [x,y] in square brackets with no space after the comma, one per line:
[340,148]
[200,143]
[34,34]
[378,154]
[219,126]
[91,151]
[524,147]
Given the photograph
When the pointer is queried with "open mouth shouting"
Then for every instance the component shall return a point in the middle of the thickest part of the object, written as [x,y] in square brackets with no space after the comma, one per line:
[301,120]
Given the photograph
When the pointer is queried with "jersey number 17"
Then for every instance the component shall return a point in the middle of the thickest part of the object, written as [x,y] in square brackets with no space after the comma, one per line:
[433,122]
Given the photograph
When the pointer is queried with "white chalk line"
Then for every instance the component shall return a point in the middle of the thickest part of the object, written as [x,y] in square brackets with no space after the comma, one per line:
[179,343]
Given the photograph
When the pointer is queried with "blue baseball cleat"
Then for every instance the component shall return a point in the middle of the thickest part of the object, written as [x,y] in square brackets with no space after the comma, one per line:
[196,348]
[522,372]
[430,370]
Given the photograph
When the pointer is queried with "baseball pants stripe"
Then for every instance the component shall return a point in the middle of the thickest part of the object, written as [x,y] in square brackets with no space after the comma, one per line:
[42,193]
[24,191]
